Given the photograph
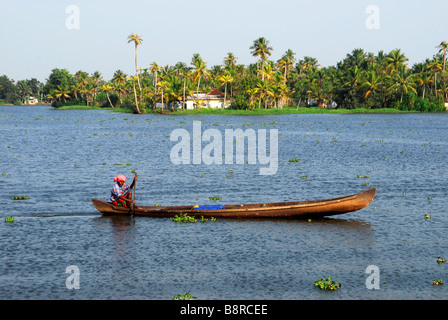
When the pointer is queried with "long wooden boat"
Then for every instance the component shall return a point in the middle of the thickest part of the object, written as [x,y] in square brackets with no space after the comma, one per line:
[298,210]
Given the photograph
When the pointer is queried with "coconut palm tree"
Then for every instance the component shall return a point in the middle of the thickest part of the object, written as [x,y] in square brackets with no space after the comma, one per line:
[423,79]
[107,87]
[62,91]
[225,79]
[230,60]
[443,46]
[97,78]
[263,89]
[200,71]
[286,63]
[396,59]
[262,50]
[137,39]
[119,80]
[371,84]
[162,85]
[435,66]
[404,81]
[133,79]
[308,64]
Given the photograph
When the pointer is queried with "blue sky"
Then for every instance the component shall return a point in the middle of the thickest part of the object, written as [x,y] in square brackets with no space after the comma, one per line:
[34,37]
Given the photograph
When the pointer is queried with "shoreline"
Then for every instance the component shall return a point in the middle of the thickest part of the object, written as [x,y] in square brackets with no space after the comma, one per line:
[209,111]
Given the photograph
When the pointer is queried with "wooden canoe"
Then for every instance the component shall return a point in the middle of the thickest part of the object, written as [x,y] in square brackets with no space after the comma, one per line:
[298,210]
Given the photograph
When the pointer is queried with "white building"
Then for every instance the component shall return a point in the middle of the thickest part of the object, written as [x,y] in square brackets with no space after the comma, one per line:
[32,101]
[214,99]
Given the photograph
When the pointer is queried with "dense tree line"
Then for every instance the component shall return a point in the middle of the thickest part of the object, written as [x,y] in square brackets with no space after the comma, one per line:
[361,80]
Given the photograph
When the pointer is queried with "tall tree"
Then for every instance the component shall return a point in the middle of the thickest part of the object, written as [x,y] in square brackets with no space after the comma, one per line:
[396,59]
[225,79]
[137,39]
[435,66]
[404,81]
[200,72]
[262,50]
[443,46]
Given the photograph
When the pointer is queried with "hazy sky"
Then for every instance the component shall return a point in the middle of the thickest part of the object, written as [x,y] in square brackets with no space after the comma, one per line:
[37,36]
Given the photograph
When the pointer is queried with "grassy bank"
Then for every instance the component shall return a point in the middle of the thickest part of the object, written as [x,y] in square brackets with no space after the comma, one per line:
[81,107]
[286,110]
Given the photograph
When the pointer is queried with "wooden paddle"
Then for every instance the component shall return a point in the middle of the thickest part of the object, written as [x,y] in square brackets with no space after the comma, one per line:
[133,193]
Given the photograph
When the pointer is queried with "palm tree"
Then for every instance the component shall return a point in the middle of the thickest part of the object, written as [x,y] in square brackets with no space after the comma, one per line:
[24,89]
[404,81]
[107,87]
[200,71]
[286,63]
[155,68]
[424,79]
[353,78]
[372,83]
[97,79]
[137,39]
[261,49]
[263,89]
[162,85]
[225,79]
[396,59]
[119,79]
[308,64]
[133,79]
[435,66]
[230,60]
[62,91]
[443,46]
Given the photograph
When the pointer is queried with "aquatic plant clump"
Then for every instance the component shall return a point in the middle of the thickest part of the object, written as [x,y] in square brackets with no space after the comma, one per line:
[327,284]
[186,296]
[20,198]
[184,218]
[437,282]
[9,219]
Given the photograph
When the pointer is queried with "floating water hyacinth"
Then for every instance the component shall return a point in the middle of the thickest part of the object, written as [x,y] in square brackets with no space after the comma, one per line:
[437,282]
[20,198]
[9,219]
[186,296]
[293,160]
[327,284]
[215,198]
[441,260]
[183,217]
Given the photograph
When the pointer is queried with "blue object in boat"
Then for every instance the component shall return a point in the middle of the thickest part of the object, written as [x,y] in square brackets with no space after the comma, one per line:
[210,207]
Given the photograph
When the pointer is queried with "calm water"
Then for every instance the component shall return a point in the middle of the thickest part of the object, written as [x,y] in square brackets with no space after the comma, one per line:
[62,159]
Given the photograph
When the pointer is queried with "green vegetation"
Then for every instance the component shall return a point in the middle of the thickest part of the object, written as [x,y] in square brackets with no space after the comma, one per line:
[327,284]
[9,219]
[361,82]
[186,296]
[184,218]
[20,198]
[441,260]
[215,198]
[437,282]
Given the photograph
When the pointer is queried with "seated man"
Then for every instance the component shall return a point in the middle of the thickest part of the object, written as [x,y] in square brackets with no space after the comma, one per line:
[120,193]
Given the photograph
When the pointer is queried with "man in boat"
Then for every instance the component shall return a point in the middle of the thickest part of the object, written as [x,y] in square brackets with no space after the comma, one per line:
[121,194]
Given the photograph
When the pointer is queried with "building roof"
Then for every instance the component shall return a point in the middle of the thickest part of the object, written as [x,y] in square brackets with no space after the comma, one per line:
[215,92]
